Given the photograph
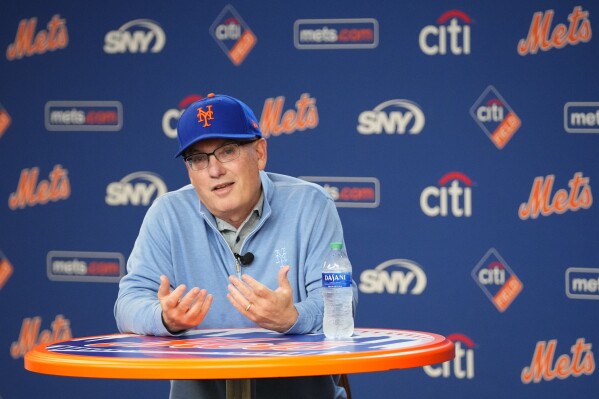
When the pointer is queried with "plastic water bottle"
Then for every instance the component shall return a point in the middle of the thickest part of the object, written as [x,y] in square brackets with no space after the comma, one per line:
[337,290]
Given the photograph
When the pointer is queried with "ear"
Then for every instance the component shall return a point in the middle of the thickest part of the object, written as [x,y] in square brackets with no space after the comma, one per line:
[261,153]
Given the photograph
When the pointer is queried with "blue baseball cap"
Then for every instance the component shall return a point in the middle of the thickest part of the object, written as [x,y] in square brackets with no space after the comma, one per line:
[216,116]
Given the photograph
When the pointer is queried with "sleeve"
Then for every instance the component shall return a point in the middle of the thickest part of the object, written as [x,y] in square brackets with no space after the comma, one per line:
[327,229]
[137,309]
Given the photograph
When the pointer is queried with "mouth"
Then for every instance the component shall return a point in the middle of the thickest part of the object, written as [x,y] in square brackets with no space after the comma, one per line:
[221,187]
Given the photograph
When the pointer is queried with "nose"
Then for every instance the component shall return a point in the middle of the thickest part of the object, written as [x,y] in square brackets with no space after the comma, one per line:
[215,168]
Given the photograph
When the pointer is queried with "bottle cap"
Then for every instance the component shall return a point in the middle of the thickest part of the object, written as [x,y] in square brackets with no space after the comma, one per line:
[336,245]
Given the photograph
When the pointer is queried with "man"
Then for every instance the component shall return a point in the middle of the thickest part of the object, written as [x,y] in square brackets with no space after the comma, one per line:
[248,244]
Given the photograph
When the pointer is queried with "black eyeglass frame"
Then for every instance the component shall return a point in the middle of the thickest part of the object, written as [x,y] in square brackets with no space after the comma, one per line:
[237,144]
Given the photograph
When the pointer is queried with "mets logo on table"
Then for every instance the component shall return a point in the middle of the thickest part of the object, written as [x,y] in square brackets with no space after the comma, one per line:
[497,280]
[233,35]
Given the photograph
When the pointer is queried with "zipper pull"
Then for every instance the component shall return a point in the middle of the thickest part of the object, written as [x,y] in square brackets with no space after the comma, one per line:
[238,267]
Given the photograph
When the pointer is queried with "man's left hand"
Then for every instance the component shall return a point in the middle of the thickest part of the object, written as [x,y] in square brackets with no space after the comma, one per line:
[273,310]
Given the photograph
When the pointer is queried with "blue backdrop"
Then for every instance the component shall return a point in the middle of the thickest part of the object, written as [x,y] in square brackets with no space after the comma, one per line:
[459,140]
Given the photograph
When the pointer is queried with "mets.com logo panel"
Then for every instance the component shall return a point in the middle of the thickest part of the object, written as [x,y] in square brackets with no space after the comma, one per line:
[350,192]
[74,266]
[320,34]
[84,115]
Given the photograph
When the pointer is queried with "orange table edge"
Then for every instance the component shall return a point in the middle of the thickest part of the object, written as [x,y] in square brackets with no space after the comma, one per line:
[40,360]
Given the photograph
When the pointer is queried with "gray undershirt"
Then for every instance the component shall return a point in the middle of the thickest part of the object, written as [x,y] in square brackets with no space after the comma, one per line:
[235,237]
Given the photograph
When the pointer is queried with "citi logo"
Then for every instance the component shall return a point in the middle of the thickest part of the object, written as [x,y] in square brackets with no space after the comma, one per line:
[171,116]
[462,365]
[497,280]
[138,188]
[434,39]
[582,283]
[392,117]
[495,117]
[233,35]
[137,36]
[453,196]
[395,276]
[581,117]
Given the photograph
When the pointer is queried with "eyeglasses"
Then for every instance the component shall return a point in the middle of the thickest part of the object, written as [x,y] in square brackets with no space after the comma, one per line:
[226,153]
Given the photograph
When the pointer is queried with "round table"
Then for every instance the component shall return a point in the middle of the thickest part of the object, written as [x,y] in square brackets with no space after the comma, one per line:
[237,355]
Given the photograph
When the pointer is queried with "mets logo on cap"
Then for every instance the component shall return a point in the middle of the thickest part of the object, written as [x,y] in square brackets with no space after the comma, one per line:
[205,116]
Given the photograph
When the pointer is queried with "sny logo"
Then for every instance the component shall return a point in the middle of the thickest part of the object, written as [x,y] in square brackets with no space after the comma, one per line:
[441,33]
[495,117]
[461,198]
[393,116]
[233,35]
[497,280]
[395,276]
[462,365]
[135,41]
[205,116]
[539,37]
[136,188]
[541,203]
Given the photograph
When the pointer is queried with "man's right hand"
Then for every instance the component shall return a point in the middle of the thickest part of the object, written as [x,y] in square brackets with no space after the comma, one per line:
[180,312]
